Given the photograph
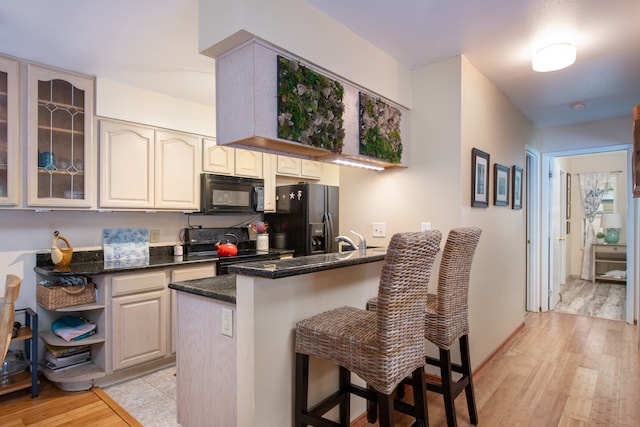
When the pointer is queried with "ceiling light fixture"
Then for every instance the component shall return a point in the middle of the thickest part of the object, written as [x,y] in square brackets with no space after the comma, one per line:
[553,57]
[577,106]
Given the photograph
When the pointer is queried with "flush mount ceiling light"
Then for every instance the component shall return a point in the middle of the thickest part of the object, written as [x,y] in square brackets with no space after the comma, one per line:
[553,57]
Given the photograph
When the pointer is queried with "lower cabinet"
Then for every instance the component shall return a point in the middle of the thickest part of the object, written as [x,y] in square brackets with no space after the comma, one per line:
[139,318]
[139,334]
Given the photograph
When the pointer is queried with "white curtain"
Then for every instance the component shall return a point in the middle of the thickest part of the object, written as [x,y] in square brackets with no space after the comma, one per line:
[592,186]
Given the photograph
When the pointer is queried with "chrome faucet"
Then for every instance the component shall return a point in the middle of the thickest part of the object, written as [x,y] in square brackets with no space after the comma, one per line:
[362,244]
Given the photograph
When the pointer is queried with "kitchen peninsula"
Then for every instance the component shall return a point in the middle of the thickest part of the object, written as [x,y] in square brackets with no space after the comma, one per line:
[235,350]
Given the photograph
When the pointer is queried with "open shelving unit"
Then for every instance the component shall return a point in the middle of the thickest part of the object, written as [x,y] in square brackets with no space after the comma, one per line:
[26,334]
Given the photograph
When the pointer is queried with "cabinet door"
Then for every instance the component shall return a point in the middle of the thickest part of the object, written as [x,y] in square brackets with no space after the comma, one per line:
[177,160]
[288,166]
[9,132]
[139,328]
[248,163]
[269,176]
[310,169]
[217,158]
[59,137]
[126,165]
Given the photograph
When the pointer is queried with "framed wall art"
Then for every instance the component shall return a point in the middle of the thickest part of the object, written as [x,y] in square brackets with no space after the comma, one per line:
[500,185]
[479,178]
[516,184]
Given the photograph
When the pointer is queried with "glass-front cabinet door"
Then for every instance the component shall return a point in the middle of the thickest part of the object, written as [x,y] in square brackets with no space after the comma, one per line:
[60,117]
[9,153]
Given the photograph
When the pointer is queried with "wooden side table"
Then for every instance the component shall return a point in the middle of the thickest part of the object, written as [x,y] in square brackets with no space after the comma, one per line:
[607,258]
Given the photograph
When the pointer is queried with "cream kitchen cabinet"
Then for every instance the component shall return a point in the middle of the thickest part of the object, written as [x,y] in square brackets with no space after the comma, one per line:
[147,168]
[269,174]
[223,160]
[139,318]
[59,138]
[293,166]
[9,150]
[217,158]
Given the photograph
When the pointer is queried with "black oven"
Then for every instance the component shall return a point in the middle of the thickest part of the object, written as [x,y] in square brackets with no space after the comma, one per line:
[200,243]
[221,194]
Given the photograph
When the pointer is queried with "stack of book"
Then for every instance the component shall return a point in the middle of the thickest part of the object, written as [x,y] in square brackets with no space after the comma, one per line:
[63,358]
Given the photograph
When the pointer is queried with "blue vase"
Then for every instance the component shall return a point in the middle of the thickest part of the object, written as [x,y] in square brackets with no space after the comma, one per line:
[612,236]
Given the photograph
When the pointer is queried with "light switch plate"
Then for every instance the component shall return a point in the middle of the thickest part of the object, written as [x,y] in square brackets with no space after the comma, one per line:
[379,229]
[154,235]
[425,226]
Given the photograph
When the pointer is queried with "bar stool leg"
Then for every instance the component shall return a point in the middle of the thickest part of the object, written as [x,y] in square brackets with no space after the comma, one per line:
[302,388]
[344,381]
[385,404]
[420,398]
[447,388]
[466,372]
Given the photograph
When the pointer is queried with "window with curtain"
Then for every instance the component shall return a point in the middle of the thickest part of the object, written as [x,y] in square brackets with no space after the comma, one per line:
[608,205]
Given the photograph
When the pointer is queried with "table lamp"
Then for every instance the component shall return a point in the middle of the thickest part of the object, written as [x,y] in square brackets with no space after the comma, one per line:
[610,223]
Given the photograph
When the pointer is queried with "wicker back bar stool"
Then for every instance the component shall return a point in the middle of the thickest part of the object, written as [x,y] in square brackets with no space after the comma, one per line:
[382,347]
[447,321]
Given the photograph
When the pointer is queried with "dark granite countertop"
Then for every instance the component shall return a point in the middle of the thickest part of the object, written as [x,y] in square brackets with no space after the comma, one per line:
[224,287]
[219,287]
[307,264]
[88,263]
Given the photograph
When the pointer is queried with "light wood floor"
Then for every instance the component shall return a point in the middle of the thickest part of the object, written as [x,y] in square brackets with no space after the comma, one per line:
[559,370]
[54,407]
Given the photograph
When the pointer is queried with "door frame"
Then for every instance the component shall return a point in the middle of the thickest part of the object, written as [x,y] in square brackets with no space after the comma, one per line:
[545,232]
[532,208]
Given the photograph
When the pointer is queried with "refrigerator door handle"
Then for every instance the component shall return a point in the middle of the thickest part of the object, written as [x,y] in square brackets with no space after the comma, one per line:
[329,236]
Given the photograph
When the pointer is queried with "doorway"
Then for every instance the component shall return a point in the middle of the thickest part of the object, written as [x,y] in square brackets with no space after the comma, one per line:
[553,223]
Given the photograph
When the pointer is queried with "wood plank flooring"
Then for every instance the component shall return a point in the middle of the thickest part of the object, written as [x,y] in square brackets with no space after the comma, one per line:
[54,407]
[558,370]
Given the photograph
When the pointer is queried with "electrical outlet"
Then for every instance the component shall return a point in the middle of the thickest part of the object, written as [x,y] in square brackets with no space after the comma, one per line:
[227,322]
[379,229]
[425,226]
[154,235]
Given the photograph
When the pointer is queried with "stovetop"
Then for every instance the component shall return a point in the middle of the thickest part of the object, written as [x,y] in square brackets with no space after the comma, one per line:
[201,242]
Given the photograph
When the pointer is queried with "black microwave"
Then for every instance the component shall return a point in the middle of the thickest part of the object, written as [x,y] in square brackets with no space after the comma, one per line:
[222,194]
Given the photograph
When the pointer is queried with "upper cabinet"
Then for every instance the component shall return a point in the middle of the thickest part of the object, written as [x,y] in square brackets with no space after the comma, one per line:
[223,160]
[292,166]
[59,136]
[143,167]
[9,132]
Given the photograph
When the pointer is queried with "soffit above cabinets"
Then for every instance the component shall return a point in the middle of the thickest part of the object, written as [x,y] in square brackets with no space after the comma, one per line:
[247,108]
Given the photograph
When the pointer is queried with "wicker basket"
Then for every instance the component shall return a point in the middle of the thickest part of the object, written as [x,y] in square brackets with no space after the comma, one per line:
[57,296]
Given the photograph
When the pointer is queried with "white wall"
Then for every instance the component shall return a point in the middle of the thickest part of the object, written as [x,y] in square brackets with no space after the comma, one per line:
[124,102]
[300,28]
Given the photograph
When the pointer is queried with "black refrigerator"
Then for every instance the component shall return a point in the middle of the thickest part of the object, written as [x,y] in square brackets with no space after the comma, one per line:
[306,219]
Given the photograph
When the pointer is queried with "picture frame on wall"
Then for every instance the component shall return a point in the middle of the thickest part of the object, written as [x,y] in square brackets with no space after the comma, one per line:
[516,185]
[479,178]
[500,185]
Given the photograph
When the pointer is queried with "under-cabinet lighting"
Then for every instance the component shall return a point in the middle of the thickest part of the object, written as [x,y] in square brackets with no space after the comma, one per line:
[353,163]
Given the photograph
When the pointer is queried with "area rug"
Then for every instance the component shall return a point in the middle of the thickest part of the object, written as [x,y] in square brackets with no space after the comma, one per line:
[599,299]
